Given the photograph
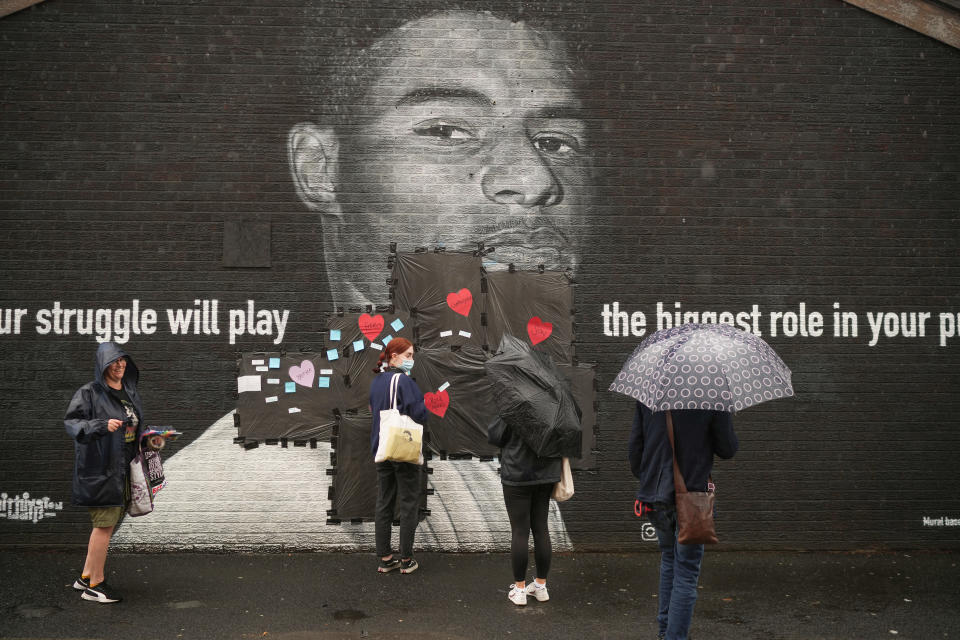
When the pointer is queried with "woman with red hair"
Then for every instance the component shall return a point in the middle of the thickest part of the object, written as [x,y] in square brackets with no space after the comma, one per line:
[398,482]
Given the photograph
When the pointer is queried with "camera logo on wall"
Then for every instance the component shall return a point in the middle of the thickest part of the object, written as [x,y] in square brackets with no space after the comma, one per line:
[648,532]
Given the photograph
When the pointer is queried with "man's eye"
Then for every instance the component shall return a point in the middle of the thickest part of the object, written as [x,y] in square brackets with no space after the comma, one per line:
[447,133]
[556,145]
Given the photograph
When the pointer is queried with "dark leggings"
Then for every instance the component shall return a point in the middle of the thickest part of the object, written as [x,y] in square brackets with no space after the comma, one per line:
[528,507]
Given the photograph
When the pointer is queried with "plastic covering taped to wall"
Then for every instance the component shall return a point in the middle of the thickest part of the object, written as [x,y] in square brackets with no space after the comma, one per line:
[442,293]
[455,313]
[582,379]
[459,398]
[353,493]
[361,337]
[281,396]
[295,395]
[534,306]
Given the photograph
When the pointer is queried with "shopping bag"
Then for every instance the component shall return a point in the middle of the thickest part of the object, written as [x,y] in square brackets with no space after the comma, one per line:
[563,490]
[400,437]
[154,468]
[141,497]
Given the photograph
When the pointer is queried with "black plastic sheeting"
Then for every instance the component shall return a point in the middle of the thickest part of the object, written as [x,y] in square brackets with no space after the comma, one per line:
[582,379]
[451,309]
[535,399]
[276,412]
[355,366]
[347,375]
[353,493]
[442,293]
[534,306]
[461,413]
[354,486]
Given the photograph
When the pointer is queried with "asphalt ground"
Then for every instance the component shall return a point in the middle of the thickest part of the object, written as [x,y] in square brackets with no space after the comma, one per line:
[307,596]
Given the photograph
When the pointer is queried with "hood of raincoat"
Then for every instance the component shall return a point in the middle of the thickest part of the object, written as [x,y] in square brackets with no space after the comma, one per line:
[107,354]
[101,458]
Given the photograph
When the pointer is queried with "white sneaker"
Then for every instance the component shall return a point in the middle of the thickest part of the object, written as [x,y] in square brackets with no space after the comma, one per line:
[538,591]
[517,595]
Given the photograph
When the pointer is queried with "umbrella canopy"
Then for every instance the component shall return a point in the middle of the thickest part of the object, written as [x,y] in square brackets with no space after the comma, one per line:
[703,366]
[534,399]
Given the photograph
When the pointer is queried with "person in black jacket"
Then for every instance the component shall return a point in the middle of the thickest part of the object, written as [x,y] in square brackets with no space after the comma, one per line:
[104,420]
[527,484]
[699,435]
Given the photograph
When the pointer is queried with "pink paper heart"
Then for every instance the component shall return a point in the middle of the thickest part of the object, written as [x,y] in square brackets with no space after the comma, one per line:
[437,403]
[460,301]
[370,326]
[302,375]
[538,330]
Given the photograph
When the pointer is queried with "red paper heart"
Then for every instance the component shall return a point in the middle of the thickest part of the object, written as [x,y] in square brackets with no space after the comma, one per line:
[437,403]
[460,301]
[538,330]
[370,326]
[302,375]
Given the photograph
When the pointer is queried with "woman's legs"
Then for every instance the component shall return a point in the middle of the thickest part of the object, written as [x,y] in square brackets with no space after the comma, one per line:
[386,500]
[539,516]
[518,501]
[408,498]
[97,546]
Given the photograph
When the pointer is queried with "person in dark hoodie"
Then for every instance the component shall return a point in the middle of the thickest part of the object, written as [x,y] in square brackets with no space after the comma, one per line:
[398,482]
[699,436]
[104,420]
[528,481]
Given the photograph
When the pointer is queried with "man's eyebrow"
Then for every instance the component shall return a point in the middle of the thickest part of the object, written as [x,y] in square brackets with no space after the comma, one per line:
[559,112]
[428,94]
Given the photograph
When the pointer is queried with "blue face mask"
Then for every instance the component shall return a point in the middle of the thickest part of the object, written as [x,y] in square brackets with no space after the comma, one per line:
[406,366]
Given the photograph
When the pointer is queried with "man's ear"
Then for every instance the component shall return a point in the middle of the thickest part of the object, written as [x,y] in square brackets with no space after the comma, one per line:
[312,154]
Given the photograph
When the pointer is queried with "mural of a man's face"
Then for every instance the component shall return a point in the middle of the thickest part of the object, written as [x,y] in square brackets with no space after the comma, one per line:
[468,131]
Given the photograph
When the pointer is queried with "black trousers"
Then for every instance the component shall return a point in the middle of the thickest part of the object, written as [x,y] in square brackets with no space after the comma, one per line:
[399,491]
[528,508]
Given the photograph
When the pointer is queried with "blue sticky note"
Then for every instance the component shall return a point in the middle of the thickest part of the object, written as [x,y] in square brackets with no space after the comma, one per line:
[332,354]
[290,387]
[323,382]
[334,334]
[397,324]
[274,363]
[386,340]
[358,345]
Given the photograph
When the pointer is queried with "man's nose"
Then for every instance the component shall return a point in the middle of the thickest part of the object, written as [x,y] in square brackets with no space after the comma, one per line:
[518,174]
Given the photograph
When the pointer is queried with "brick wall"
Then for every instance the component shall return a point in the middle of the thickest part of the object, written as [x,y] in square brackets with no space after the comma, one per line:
[744,154]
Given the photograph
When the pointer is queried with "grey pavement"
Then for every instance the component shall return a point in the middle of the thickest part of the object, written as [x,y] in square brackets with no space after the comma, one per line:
[307,596]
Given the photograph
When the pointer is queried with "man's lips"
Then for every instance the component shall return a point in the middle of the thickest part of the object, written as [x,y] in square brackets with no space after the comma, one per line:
[528,247]
[532,239]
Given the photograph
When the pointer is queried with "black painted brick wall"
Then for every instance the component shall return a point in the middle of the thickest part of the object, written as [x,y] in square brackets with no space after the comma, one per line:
[747,153]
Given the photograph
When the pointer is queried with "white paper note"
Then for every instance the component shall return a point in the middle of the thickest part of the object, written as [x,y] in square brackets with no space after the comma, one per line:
[248,383]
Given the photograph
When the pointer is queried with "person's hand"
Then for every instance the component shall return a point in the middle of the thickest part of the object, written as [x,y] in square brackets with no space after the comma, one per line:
[113,424]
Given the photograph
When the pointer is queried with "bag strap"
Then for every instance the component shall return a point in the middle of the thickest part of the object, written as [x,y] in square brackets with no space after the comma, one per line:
[394,383]
[679,486]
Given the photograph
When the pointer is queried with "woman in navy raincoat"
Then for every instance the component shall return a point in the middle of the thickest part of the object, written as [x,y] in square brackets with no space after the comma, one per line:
[104,420]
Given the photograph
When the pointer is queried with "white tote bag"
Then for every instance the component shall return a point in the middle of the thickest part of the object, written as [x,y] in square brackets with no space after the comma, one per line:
[400,437]
[563,490]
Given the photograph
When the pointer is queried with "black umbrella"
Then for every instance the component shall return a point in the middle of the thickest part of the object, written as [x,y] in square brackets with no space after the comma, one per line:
[534,399]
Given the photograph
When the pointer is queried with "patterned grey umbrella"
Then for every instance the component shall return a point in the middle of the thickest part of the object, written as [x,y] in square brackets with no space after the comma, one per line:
[703,366]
